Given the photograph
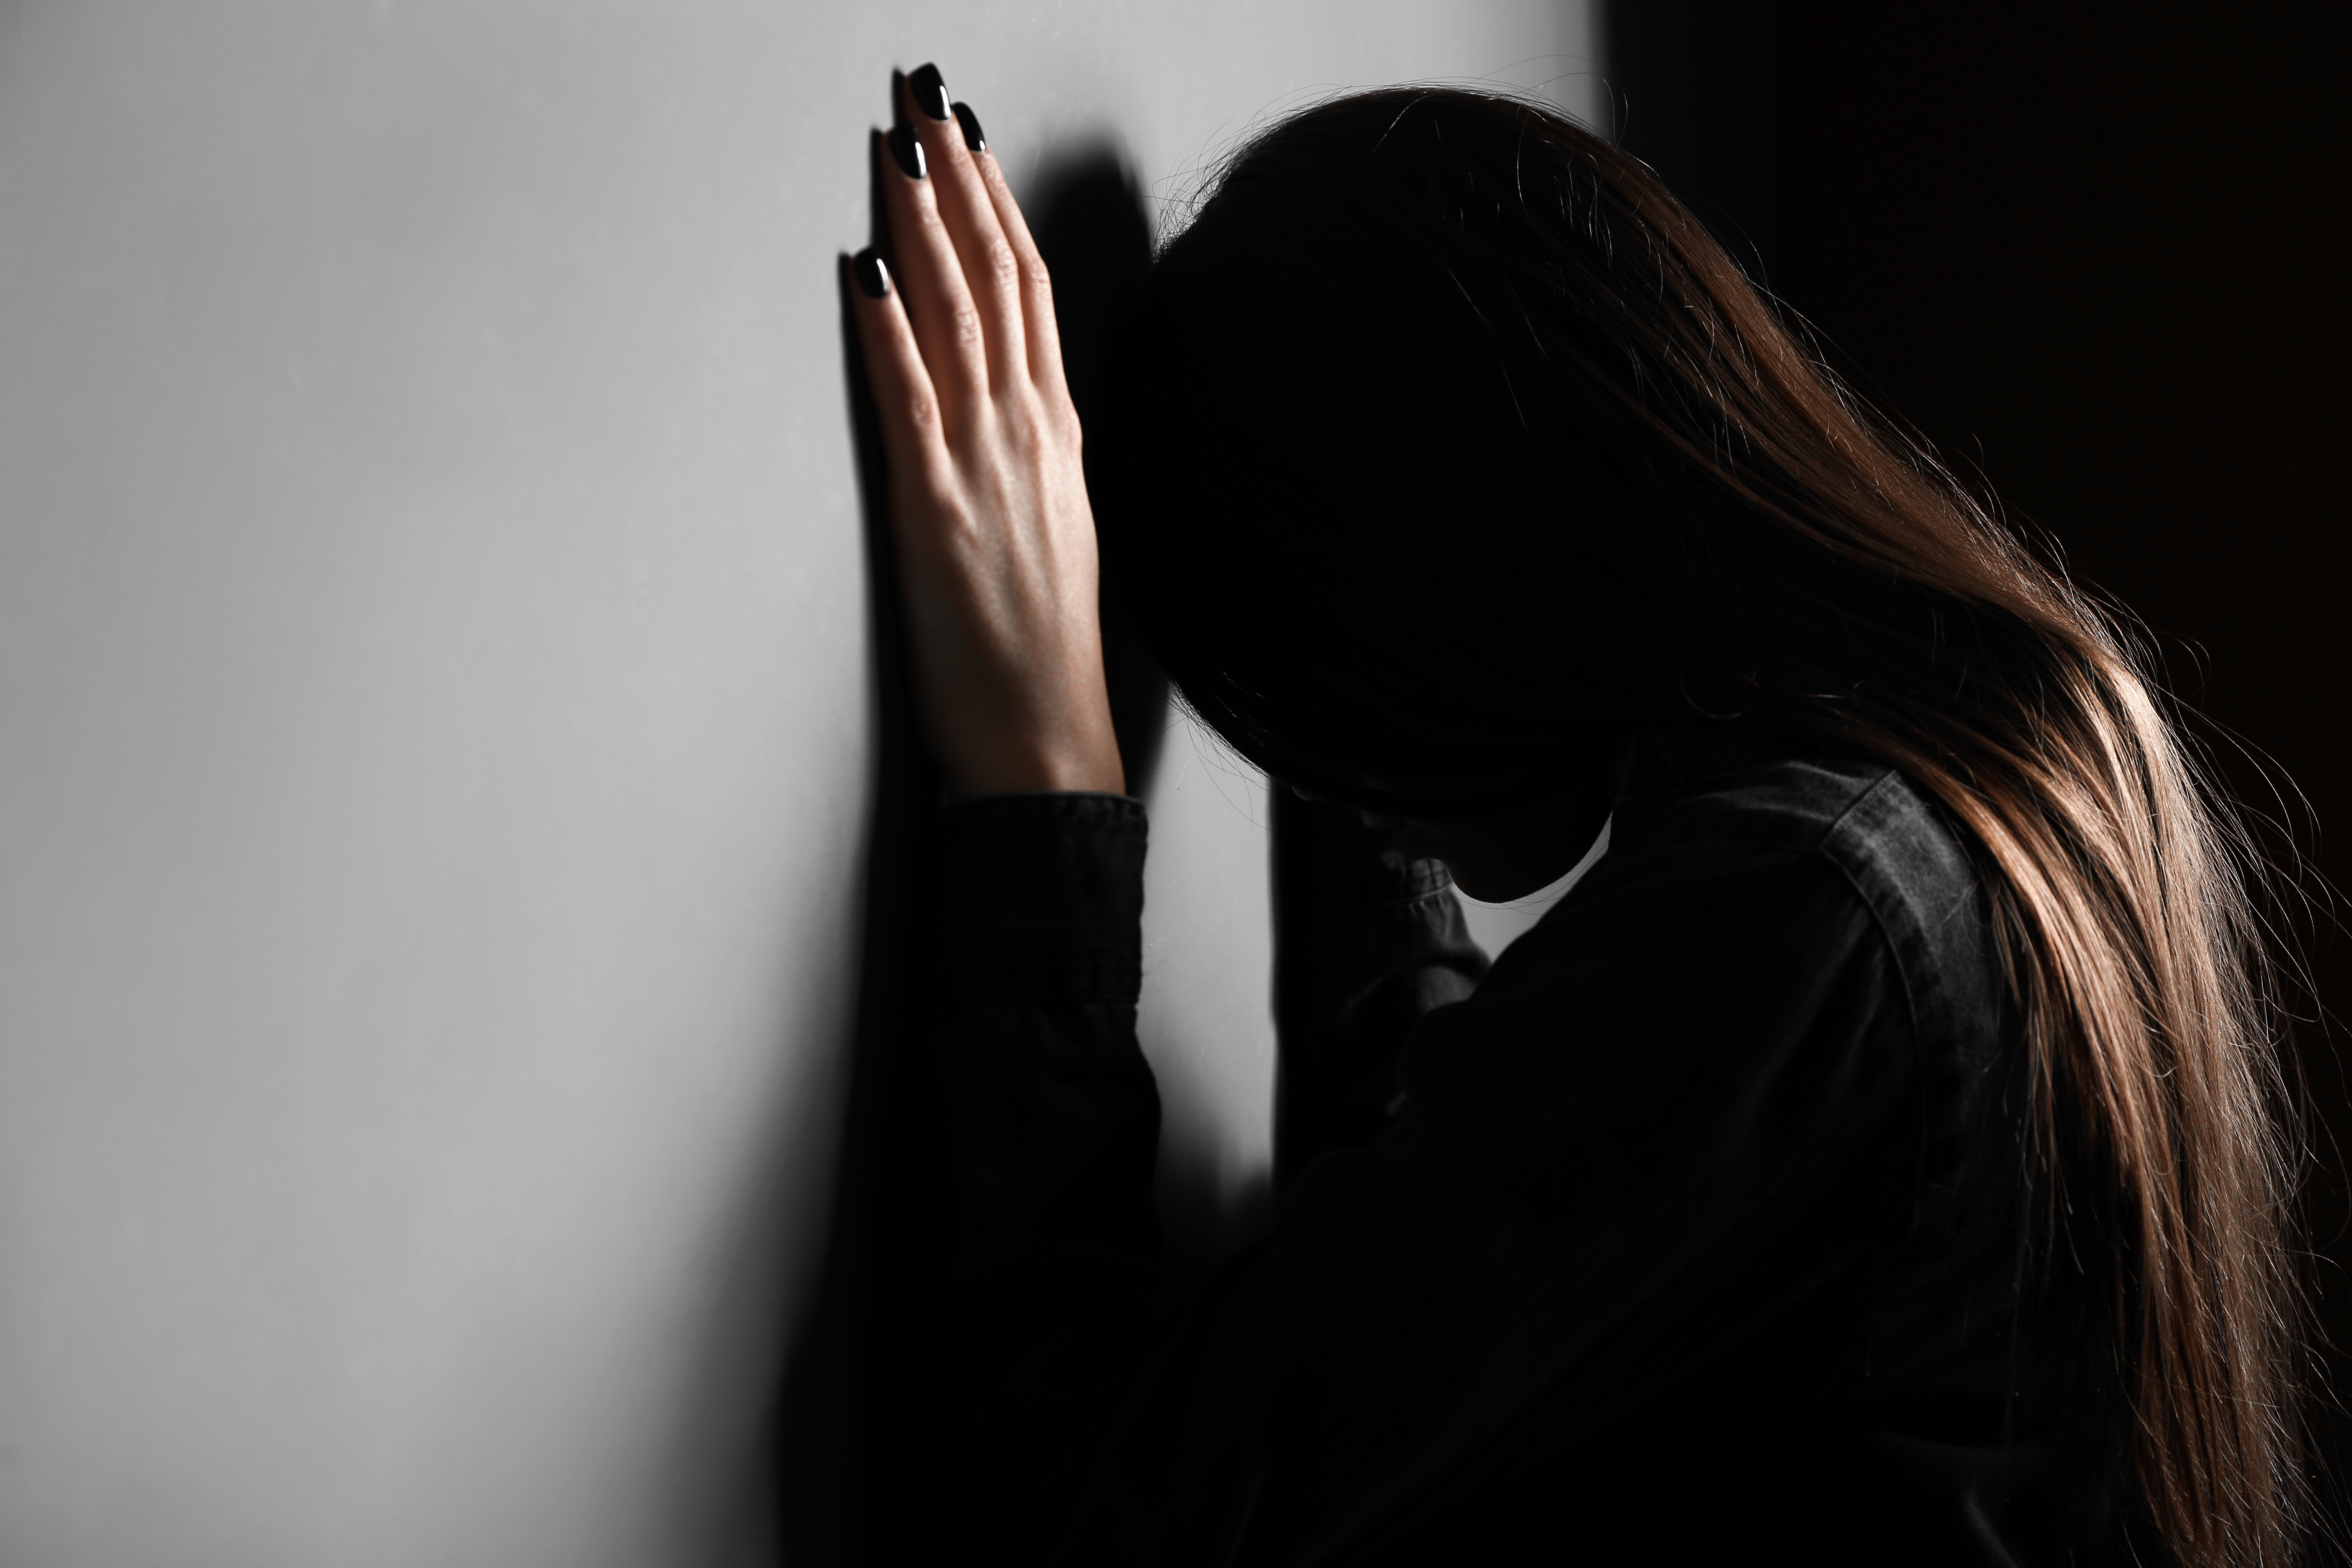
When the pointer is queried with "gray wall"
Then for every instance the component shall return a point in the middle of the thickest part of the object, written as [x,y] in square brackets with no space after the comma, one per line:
[436,723]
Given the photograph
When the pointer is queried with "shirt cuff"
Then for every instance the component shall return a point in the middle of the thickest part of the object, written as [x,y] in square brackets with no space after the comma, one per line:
[1327,860]
[1042,898]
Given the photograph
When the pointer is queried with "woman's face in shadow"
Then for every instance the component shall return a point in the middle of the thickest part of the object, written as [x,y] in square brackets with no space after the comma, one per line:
[1494,858]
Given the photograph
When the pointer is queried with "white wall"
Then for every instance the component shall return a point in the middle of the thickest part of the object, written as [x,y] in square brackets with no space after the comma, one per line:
[434,737]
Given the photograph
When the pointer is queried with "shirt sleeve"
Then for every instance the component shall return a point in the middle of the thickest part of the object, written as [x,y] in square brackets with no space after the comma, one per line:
[1034,1246]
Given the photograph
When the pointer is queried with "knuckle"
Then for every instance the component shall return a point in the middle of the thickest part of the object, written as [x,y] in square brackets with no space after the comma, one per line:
[1038,425]
[923,413]
[1016,416]
[968,334]
[1005,269]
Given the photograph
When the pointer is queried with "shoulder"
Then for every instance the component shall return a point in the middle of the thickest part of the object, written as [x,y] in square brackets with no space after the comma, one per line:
[1724,792]
[1733,924]
[1685,782]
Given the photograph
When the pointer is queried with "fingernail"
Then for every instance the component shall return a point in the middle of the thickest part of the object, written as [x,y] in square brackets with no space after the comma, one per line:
[970,123]
[872,276]
[930,92]
[906,151]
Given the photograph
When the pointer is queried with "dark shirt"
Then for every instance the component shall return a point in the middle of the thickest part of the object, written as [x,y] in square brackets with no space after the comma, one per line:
[1690,1231]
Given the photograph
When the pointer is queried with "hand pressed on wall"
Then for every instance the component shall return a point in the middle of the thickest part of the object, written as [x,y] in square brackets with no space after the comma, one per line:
[987,499]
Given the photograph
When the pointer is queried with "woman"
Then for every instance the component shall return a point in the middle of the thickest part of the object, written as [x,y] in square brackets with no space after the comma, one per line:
[1876,1158]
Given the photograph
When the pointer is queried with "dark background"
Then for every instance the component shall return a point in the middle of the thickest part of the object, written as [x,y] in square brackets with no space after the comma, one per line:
[2095,255]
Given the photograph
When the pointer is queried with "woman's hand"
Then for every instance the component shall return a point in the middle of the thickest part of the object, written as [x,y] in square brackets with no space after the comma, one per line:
[987,497]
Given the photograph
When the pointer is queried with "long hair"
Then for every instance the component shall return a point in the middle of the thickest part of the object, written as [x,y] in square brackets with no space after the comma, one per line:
[1444,446]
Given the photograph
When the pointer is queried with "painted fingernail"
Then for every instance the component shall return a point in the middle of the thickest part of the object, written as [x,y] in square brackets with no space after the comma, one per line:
[906,151]
[930,94]
[970,123]
[872,277]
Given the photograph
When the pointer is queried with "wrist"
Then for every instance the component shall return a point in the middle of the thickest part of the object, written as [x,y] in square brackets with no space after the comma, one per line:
[1095,770]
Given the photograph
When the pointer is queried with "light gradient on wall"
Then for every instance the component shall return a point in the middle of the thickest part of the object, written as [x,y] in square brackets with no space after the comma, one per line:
[435,724]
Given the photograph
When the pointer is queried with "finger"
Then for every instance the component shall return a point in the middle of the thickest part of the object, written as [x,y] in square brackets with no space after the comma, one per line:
[903,401]
[990,271]
[1042,339]
[938,307]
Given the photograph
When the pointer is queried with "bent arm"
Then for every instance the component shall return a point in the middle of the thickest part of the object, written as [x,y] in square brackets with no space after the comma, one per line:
[1047,1117]
[1366,943]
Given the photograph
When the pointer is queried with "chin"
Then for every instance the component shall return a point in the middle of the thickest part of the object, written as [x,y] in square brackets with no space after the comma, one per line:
[1472,885]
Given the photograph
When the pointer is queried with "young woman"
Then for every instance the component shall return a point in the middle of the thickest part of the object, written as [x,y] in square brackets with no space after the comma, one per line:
[1876,1158]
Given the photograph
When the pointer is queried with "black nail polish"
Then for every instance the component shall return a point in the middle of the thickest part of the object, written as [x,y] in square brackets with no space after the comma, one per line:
[970,123]
[906,151]
[873,277]
[930,94]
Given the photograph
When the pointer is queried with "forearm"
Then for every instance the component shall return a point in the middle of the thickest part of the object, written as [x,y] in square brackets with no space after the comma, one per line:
[1031,1275]
[1052,1114]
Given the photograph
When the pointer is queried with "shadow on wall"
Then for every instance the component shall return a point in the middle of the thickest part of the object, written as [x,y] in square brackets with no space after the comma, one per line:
[1088,215]
[879,1279]
[1088,218]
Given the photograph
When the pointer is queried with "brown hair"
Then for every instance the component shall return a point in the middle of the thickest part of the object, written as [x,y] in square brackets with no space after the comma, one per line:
[1423,312]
